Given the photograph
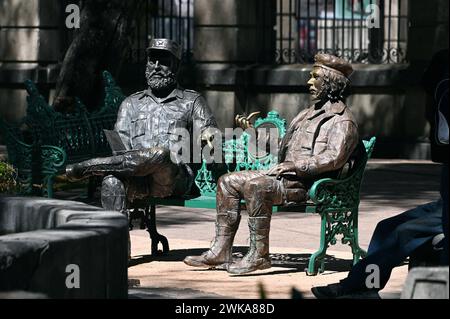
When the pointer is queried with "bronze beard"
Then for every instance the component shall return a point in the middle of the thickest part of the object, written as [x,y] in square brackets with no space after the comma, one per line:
[166,80]
[334,87]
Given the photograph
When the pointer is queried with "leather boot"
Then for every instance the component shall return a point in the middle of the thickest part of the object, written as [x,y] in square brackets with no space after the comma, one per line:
[257,257]
[219,255]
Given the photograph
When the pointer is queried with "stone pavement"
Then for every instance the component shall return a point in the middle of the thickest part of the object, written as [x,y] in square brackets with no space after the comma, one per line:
[389,188]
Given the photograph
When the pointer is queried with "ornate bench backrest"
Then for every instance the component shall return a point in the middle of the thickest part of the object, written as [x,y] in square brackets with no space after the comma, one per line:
[80,134]
[239,155]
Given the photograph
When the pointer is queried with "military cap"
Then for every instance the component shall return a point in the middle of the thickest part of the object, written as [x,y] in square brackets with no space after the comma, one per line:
[165,44]
[333,63]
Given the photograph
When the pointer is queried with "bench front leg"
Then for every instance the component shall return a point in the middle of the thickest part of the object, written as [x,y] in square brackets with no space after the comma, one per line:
[53,160]
[156,238]
[335,223]
[319,255]
[357,251]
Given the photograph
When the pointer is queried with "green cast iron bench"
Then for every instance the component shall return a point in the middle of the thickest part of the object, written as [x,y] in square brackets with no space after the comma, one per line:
[36,164]
[337,203]
[71,137]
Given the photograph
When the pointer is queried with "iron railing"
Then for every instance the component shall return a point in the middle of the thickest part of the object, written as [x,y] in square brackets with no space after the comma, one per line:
[339,27]
[160,18]
[303,28]
[171,19]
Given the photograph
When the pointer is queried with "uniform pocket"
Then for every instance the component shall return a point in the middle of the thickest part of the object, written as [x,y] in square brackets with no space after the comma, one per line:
[139,126]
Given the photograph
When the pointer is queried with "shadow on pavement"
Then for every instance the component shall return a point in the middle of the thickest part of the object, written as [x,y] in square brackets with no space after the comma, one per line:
[292,262]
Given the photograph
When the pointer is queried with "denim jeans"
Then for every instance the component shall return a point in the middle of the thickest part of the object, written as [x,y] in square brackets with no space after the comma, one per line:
[394,239]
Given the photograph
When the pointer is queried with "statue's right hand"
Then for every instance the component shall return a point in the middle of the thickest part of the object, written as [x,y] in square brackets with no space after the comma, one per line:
[244,121]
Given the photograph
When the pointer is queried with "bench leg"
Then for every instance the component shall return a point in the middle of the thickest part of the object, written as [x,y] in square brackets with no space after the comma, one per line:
[47,190]
[319,255]
[150,223]
[357,251]
[333,224]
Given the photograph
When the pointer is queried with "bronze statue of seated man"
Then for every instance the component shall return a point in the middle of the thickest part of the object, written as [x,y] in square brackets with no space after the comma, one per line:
[148,124]
[317,144]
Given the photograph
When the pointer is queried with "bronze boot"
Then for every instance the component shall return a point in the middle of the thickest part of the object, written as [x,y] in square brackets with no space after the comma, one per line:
[257,257]
[113,197]
[219,255]
[96,166]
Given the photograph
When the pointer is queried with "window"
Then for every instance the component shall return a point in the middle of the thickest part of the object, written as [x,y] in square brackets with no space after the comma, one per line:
[340,27]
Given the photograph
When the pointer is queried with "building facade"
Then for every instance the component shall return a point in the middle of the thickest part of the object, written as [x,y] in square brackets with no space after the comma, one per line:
[256,55]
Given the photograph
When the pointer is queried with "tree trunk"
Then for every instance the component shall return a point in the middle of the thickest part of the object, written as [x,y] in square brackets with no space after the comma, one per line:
[101,43]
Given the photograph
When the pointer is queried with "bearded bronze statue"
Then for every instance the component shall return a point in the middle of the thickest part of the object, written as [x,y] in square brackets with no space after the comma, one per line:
[317,144]
[148,124]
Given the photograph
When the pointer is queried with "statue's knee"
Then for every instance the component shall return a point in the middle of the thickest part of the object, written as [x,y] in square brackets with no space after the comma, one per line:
[225,181]
[113,195]
[112,186]
[161,153]
[222,181]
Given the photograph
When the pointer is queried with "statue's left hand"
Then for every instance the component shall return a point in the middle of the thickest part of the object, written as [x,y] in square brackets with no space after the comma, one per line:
[282,168]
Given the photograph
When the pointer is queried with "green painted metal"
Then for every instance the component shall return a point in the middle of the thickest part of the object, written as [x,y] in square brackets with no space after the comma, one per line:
[238,156]
[59,139]
[37,165]
[79,134]
[337,203]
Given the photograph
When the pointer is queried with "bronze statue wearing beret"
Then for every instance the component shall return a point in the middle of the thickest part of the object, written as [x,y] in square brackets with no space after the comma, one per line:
[317,144]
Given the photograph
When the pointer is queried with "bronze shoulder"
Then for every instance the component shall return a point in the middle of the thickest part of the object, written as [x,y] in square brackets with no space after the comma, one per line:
[347,115]
[191,94]
[136,95]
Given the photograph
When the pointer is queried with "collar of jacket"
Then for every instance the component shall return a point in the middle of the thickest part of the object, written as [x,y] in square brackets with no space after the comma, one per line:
[329,108]
[176,93]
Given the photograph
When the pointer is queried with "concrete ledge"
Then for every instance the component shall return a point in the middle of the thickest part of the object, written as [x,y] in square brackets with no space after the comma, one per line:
[40,237]
[426,283]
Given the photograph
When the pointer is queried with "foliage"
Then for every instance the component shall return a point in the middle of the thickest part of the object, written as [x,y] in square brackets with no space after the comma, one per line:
[8,177]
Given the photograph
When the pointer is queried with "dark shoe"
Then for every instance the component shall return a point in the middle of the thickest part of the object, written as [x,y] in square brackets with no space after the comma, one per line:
[336,291]
[331,291]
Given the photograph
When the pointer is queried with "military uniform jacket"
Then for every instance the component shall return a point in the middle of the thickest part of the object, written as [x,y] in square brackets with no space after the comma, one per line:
[320,140]
[144,121]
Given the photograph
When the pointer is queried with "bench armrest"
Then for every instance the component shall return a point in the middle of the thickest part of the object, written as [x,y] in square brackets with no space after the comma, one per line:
[53,159]
[336,194]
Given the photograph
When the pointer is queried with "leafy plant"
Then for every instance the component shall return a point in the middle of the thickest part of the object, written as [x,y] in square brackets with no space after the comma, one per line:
[8,178]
